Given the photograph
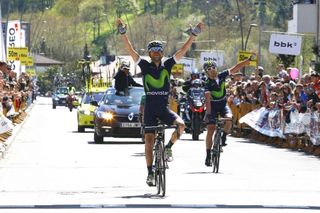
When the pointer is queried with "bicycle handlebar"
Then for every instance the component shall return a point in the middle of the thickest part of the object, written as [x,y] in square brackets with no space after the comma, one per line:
[160,127]
[224,119]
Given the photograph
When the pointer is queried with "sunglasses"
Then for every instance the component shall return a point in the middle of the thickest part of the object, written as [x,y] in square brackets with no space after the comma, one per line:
[155,49]
[211,68]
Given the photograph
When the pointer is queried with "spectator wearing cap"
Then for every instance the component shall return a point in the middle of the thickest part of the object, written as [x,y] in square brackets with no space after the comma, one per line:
[237,77]
[123,79]
[259,71]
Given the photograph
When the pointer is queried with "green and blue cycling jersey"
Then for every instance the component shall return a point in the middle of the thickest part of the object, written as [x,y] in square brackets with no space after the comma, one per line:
[156,82]
[217,89]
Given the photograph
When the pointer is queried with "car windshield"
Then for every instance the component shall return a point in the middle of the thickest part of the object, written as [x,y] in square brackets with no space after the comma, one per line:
[94,96]
[62,90]
[133,98]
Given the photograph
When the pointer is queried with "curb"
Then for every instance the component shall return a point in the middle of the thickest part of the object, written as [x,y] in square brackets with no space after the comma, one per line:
[4,146]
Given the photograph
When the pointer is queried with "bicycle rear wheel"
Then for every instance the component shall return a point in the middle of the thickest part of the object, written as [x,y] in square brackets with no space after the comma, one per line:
[161,172]
[216,153]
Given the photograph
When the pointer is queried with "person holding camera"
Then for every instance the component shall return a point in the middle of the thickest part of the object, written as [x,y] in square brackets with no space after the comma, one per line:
[123,79]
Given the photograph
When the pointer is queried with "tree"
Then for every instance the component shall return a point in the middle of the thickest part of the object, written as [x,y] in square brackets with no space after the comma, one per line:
[286,60]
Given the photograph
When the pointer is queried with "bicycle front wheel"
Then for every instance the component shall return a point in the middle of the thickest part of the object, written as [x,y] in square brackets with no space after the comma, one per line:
[161,172]
[216,154]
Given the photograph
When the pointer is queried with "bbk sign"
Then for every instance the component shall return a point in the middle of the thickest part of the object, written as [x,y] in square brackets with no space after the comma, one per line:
[216,56]
[285,44]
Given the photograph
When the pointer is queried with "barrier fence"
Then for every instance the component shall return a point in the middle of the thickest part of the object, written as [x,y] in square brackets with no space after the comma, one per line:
[279,127]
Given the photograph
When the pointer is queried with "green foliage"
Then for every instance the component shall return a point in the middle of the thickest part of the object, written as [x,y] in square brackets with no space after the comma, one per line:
[46,80]
[286,60]
[70,24]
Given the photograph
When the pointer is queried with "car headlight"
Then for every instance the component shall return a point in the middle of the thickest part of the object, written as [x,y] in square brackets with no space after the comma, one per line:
[105,115]
[56,99]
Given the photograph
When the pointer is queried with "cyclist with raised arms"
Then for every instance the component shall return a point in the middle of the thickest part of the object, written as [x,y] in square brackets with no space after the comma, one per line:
[156,81]
[216,101]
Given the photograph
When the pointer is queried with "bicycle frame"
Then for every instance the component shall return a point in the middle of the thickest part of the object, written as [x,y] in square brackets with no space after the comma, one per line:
[217,144]
[160,162]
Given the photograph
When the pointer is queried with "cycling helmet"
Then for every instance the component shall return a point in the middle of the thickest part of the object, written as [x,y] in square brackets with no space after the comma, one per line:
[155,46]
[196,83]
[208,64]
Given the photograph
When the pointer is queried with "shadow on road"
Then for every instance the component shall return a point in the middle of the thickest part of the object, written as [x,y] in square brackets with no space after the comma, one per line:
[115,143]
[151,196]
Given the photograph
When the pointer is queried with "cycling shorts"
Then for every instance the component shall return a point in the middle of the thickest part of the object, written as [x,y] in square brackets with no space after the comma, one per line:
[153,113]
[218,109]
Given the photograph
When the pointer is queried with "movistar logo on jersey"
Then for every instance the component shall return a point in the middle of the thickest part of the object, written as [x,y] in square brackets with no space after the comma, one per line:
[220,93]
[156,83]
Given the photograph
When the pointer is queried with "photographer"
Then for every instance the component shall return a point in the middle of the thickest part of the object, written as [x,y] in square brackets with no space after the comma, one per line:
[123,79]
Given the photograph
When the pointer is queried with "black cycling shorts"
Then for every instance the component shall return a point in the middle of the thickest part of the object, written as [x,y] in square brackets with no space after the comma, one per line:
[153,113]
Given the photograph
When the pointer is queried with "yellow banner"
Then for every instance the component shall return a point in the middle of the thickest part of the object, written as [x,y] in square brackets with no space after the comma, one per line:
[177,68]
[28,61]
[242,55]
[17,53]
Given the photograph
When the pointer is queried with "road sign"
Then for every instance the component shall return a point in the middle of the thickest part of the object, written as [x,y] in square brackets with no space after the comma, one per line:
[243,55]
[28,61]
[17,53]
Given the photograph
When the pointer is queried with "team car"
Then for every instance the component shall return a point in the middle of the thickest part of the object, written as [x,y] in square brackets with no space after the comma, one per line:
[117,114]
[59,97]
[86,110]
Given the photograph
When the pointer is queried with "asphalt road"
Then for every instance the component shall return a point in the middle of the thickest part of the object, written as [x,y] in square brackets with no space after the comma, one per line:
[51,167]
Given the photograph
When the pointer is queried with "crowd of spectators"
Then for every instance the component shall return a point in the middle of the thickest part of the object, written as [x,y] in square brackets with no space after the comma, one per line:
[279,91]
[16,93]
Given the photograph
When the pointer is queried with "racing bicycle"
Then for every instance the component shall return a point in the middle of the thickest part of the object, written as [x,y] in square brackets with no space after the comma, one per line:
[217,143]
[160,161]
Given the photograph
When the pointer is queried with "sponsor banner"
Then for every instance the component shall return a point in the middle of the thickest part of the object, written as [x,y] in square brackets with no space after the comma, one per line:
[270,123]
[189,64]
[243,55]
[217,56]
[315,128]
[265,121]
[299,123]
[5,124]
[14,40]
[285,44]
